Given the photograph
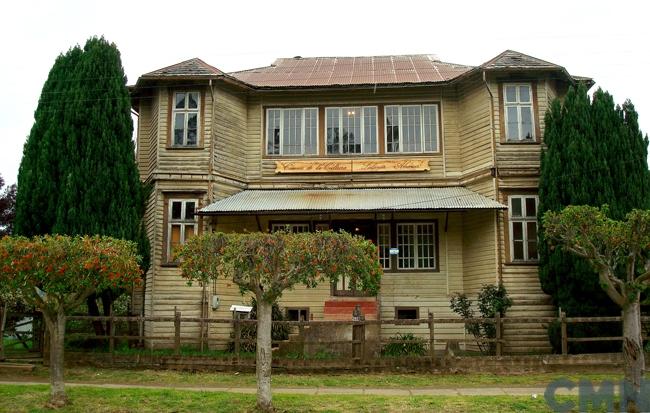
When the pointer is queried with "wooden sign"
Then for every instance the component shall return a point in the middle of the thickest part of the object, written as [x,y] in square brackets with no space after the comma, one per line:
[351,166]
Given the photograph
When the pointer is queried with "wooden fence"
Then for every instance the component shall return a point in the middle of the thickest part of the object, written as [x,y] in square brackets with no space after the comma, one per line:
[361,347]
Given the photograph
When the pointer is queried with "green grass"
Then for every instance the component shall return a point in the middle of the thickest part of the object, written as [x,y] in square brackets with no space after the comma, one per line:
[17,399]
[385,380]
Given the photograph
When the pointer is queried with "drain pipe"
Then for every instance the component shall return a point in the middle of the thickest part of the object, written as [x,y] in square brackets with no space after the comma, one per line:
[495,177]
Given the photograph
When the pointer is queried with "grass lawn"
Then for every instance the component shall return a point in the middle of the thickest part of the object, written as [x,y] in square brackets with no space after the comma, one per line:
[385,380]
[86,399]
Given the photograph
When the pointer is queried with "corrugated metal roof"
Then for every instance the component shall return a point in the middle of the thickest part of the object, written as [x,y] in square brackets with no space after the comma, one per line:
[376,199]
[343,71]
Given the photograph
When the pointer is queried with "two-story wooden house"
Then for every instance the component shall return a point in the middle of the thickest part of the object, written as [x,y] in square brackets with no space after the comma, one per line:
[437,163]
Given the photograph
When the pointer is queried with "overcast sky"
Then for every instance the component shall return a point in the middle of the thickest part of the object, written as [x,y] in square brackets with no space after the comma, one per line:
[606,40]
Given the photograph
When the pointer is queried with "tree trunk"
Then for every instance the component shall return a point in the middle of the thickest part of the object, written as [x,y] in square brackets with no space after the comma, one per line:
[3,322]
[93,310]
[632,353]
[56,327]
[264,356]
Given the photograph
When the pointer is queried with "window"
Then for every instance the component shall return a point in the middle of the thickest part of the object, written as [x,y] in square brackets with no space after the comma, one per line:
[295,228]
[416,244]
[407,313]
[292,131]
[351,130]
[522,216]
[383,244]
[185,115]
[182,223]
[518,111]
[411,128]
[297,314]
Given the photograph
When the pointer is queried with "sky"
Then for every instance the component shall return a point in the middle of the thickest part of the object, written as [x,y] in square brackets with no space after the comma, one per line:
[606,40]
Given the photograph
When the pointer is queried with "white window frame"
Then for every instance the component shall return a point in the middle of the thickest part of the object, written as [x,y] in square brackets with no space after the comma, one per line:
[186,111]
[399,124]
[415,246]
[519,104]
[290,227]
[302,132]
[182,222]
[524,220]
[362,128]
[382,246]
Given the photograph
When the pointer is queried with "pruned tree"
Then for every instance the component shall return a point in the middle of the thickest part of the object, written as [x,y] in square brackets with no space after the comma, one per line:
[267,264]
[619,252]
[57,273]
[78,174]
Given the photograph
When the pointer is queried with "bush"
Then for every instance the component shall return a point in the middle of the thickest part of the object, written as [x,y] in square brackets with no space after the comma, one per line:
[492,300]
[414,346]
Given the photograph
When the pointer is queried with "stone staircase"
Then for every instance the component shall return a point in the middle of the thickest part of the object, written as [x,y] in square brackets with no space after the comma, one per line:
[528,300]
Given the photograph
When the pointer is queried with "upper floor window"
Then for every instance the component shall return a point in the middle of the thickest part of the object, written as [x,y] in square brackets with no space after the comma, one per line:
[411,128]
[518,112]
[351,129]
[185,115]
[292,131]
[182,223]
[522,217]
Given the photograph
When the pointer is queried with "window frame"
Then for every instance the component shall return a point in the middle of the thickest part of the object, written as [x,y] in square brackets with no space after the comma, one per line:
[302,131]
[518,104]
[524,219]
[400,145]
[394,259]
[299,309]
[182,222]
[281,225]
[361,126]
[185,111]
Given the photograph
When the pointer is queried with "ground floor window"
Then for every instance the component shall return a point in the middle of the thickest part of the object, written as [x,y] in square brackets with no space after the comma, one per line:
[407,313]
[290,227]
[522,218]
[298,314]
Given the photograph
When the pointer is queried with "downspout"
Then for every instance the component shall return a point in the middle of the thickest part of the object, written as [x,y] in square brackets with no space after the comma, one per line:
[495,179]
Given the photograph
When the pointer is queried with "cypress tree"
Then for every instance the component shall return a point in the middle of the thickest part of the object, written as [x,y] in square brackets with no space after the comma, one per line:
[78,174]
[595,155]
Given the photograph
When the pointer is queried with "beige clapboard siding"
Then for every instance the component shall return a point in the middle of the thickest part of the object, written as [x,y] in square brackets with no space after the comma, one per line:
[230,133]
[450,140]
[475,127]
[147,136]
[479,261]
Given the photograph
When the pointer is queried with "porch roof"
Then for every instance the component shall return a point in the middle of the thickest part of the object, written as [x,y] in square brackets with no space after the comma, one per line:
[350,200]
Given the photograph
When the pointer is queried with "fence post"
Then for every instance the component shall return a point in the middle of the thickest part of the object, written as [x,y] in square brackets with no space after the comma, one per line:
[498,332]
[177,331]
[237,338]
[432,341]
[111,337]
[301,337]
[565,343]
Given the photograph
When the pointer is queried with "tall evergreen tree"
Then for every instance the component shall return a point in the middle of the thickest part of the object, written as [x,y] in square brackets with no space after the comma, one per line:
[78,174]
[595,154]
